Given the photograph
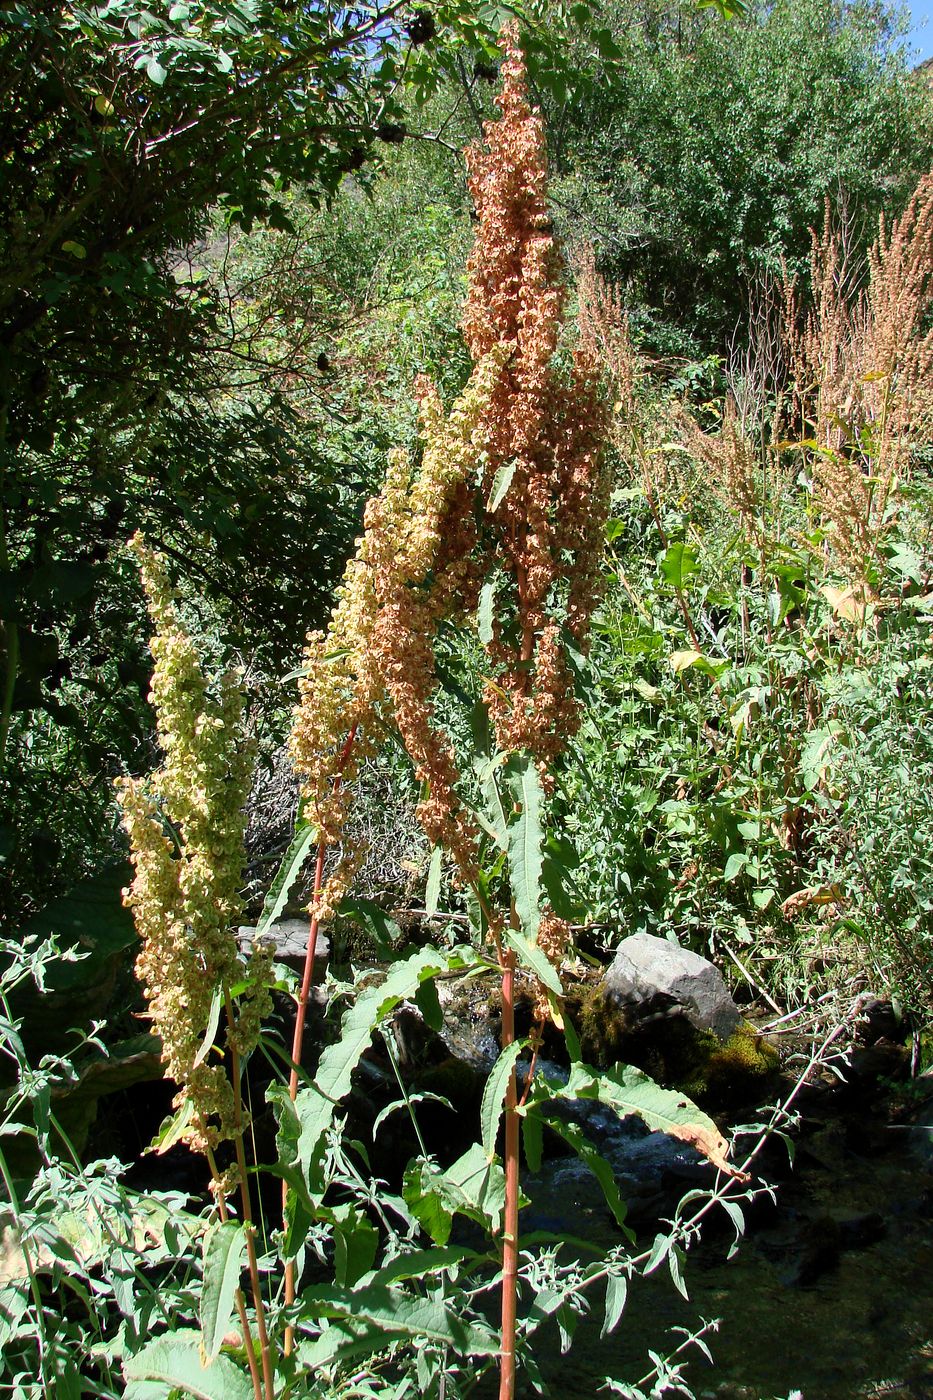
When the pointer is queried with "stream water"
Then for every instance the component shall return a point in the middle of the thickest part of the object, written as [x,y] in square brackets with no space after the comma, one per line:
[829,1296]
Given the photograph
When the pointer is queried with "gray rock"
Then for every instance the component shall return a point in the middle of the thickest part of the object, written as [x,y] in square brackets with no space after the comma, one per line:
[655,978]
[289,937]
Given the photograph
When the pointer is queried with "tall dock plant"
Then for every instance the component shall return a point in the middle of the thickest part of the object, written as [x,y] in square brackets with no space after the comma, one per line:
[186,826]
[499,527]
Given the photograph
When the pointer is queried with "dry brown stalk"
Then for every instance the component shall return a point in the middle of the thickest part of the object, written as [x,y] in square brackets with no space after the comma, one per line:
[862,367]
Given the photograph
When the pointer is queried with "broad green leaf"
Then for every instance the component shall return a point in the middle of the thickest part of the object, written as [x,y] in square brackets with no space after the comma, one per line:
[485,610]
[428,1003]
[286,875]
[175,1362]
[432,892]
[628,1090]
[616,1292]
[224,1249]
[316,1104]
[377,1314]
[418,1263]
[155,72]
[679,564]
[356,1240]
[472,1186]
[374,920]
[500,485]
[478,1184]
[423,1198]
[494,1094]
[735,865]
[525,839]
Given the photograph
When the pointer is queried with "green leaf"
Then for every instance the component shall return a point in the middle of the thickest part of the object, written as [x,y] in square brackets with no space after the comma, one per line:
[374,920]
[532,1138]
[735,865]
[155,72]
[315,1106]
[286,875]
[616,1293]
[356,1241]
[534,959]
[679,564]
[500,485]
[172,1130]
[423,1198]
[428,1003]
[628,1090]
[485,610]
[224,1248]
[377,1314]
[210,1030]
[494,1094]
[77,250]
[432,892]
[574,1135]
[418,1263]
[174,1361]
[675,1260]
[525,839]
[475,1185]
[497,823]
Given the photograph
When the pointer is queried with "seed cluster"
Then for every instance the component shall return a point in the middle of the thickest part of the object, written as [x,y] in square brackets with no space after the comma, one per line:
[186,825]
[509,496]
[544,428]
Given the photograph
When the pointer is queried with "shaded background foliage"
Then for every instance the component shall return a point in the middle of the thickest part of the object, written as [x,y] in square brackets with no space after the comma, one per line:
[232,235]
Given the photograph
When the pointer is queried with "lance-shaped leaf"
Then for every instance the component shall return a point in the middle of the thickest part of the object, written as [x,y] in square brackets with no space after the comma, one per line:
[377,1314]
[286,875]
[525,840]
[500,485]
[432,891]
[573,1134]
[224,1248]
[534,959]
[494,1094]
[316,1104]
[628,1090]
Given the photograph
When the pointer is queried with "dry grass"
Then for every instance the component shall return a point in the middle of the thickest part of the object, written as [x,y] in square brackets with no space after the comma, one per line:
[862,371]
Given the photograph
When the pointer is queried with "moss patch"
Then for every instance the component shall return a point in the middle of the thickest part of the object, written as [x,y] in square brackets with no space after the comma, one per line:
[672,1051]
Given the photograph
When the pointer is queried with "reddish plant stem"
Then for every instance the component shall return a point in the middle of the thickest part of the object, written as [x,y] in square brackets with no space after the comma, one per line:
[510,1224]
[265,1353]
[301,1011]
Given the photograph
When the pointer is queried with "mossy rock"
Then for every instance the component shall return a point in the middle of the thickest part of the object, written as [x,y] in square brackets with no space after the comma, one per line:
[733,1069]
[711,1071]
